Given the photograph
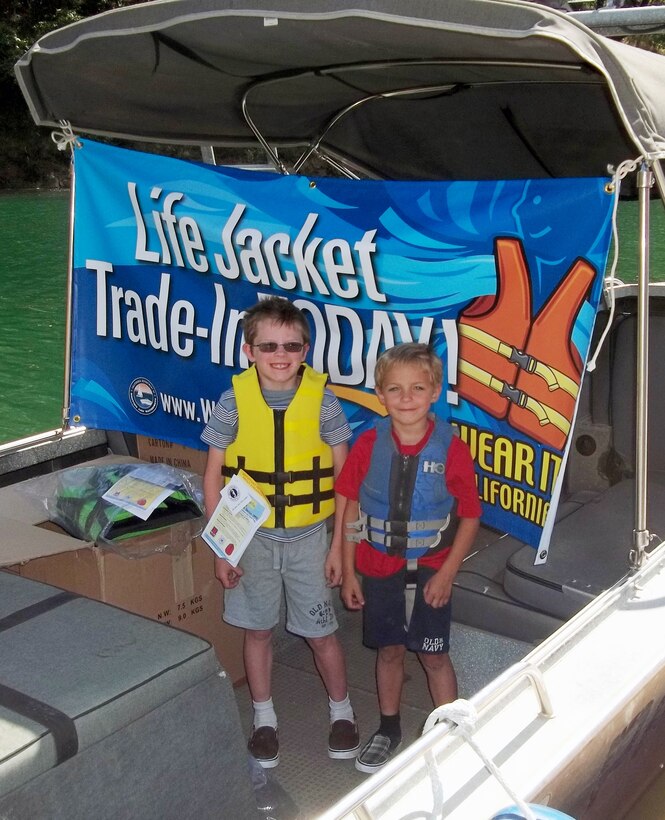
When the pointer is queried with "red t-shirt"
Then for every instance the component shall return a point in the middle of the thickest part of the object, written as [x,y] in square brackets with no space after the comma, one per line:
[460,481]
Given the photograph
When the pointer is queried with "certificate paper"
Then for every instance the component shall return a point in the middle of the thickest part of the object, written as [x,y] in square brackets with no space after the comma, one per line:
[134,493]
[241,510]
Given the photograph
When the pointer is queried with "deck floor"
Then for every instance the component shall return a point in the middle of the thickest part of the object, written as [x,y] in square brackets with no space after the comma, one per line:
[307,781]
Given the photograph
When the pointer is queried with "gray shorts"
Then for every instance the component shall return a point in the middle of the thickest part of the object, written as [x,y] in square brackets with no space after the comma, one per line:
[298,567]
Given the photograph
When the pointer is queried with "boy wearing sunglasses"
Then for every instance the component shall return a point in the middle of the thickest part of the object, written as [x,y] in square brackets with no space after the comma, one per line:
[282,426]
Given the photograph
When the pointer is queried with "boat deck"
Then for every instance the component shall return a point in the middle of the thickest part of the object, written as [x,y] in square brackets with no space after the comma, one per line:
[307,782]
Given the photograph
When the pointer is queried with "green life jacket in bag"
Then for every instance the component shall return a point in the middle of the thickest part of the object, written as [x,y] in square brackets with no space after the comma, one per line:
[80,509]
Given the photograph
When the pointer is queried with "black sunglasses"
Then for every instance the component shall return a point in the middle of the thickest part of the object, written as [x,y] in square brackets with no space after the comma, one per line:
[288,347]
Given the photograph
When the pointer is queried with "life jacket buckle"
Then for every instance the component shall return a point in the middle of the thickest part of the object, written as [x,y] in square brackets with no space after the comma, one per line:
[397,528]
[283,477]
[356,531]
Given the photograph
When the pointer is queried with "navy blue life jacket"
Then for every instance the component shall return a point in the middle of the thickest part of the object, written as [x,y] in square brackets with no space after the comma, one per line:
[404,502]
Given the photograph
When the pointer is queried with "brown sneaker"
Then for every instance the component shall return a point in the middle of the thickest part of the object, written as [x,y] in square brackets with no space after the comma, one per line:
[343,740]
[263,744]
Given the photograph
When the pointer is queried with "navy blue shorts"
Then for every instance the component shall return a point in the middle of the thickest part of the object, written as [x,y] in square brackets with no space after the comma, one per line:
[384,615]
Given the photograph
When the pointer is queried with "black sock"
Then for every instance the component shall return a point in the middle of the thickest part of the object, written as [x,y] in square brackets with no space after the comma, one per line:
[391,727]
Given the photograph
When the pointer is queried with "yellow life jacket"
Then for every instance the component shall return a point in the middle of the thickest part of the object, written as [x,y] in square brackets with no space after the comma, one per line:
[282,450]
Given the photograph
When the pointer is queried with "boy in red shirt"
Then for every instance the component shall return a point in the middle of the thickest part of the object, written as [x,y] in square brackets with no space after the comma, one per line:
[412,504]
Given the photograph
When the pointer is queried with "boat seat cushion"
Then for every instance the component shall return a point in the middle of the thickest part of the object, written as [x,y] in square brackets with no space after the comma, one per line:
[588,551]
[78,675]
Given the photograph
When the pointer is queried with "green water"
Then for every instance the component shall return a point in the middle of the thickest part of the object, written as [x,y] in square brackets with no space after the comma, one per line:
[33,271]
[627,222]
[33,243]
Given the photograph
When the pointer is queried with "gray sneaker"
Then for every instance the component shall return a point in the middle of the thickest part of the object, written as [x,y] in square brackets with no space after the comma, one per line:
[376,753]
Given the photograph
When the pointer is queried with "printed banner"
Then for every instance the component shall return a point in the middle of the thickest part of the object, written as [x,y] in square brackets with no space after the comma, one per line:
[502,278]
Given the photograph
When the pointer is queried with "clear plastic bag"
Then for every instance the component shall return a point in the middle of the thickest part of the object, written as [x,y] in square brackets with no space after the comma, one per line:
[73,499]
[272,801]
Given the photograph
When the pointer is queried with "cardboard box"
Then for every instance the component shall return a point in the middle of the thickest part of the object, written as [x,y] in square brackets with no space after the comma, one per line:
[180,590]
[158,451]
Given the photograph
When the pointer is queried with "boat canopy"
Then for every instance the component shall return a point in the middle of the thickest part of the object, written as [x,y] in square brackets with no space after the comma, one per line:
[461,89]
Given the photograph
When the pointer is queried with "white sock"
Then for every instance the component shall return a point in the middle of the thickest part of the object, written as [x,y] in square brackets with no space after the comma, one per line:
[340,710]
[264,714]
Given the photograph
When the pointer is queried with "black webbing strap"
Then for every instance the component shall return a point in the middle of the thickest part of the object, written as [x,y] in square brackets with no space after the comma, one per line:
[279,501]
[34,610]
[61,726]
[281,477]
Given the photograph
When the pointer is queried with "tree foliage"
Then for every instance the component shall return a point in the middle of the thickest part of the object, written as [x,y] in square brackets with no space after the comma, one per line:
[25,21]
[27,158]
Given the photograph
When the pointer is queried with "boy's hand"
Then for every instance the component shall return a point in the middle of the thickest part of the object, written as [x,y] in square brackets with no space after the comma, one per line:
[438,589]
[333,568]
[352,594]
[227,575]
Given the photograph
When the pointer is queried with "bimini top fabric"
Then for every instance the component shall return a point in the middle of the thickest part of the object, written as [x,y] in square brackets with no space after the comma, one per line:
[462,89]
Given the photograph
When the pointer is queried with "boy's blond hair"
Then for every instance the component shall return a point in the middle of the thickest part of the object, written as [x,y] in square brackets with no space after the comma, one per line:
[274,309]
[414,354]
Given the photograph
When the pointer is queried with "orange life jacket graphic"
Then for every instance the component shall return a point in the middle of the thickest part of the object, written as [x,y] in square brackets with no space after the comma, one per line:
[511,367]
[491,328]
[554,387]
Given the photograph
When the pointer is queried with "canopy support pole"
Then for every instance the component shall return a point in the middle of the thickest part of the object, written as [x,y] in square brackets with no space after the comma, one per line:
[641,535]
[69,307]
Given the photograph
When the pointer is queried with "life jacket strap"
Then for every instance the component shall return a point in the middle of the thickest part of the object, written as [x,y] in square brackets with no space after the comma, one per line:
[554,378]
[411,576]
[543,412]
[371,522]
[395,537]
[288,477]
[303,498]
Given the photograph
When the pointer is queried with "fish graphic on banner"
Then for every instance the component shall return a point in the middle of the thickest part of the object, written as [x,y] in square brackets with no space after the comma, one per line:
[502,278]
